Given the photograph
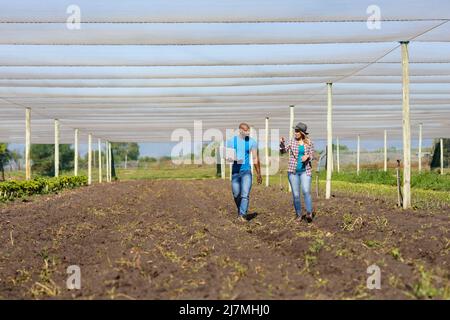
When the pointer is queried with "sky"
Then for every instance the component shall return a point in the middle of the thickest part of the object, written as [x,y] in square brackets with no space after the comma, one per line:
[160,149]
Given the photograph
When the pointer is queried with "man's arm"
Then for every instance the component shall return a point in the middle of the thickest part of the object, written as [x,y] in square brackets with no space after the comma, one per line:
[283,147]
[257,165]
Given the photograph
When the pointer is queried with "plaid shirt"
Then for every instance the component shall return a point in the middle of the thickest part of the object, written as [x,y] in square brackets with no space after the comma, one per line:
[292,147]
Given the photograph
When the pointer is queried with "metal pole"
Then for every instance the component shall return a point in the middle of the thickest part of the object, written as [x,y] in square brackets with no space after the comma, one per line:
[90,159]
[329,141]
[56,148]
[267,151]
[28,143]
[100,161]
[406,129]
[75,154]
[420,148]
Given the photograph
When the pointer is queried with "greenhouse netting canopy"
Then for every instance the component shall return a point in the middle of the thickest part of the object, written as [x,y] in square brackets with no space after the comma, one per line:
[136,70]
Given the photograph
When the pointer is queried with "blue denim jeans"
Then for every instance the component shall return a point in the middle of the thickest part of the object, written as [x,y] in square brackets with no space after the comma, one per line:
[241,184]
[297,179]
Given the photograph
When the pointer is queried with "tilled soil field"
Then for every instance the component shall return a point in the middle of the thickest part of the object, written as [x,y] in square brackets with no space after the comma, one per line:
[181,240]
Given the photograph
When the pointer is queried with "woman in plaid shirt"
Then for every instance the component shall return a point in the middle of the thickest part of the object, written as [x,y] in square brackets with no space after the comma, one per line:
[301,153]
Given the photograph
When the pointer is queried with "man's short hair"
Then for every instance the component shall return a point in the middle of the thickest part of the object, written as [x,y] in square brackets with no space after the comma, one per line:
[244,124]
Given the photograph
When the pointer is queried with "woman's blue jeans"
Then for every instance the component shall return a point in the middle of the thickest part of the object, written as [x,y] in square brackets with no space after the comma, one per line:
[303,181]
[241,184]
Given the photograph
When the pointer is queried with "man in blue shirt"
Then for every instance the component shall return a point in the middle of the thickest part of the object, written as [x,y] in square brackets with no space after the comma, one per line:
[241,180]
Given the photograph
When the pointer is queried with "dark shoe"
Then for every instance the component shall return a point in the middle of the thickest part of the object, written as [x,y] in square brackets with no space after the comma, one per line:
[309,217]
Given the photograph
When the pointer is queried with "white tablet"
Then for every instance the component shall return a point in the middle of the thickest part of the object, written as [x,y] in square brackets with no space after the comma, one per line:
[229,154]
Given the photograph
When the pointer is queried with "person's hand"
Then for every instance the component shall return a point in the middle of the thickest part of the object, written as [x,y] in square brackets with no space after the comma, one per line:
[259,179]
[304,158]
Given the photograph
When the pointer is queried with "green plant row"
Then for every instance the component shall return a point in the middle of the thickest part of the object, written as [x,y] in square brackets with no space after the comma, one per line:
[426,180]
[11,190]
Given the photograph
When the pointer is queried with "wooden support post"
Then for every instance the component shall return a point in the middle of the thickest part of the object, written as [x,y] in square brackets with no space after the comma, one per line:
[420,148]
[28,143]
[358,152]
[75,153]
[291,121]
[442,155]
[317,185]
[251,155]
[385,150]
[222,160]
[399,186]
[267,151]
[100,175]
[329,141]
[338,155]
[231,170]
[406,129]
[110,161]
[107,161]
[89,159]
[291,130]
[108,151]
[332,158]
[93,158]
[56,147]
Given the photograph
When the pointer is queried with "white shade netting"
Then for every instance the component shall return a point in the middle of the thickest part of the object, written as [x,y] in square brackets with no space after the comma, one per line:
[137,70]
[222,10]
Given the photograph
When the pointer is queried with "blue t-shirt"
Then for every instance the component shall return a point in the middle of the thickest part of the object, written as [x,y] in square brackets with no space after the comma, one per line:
[243,148]
[300,164]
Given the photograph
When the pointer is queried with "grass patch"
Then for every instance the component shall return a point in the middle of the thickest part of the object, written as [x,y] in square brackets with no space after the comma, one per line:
[395,253]
[423,199]
[372,244]
[425,287]
[349,223]
[311,256]
[425,180]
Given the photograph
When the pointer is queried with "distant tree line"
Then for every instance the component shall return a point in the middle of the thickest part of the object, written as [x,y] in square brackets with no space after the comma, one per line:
[6,156]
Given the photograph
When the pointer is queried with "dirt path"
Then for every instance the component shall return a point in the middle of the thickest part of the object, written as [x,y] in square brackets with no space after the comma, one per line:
[180,239]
